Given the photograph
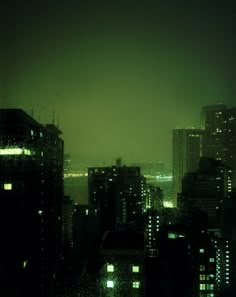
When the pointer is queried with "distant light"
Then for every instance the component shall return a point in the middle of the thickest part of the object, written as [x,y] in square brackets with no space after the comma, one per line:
[15,151]
[25,263]
[7,187]
[40,212]
[172,235]
[168,204]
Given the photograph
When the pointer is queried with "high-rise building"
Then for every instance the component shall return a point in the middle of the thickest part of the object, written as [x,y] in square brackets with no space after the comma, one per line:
[118,193]
[187,150]
[185,265]
[219,143]
[31,191]
[206,188]
[67,214]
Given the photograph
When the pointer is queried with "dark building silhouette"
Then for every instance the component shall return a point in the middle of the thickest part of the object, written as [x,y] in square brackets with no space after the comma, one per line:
[67,214]
[219,143]
[206,189]
[31,191]
[118,193]
[85,232]
[122,270]
[185,265]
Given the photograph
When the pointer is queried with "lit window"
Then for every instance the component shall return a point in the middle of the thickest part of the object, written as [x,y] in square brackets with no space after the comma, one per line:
[202,287]
[135,268]
[202,277]
[7,187]
[25,263]
[202,267]
[210,287]
[172,235]
[201,251]
[110,268]
[211,260]
[110,284]
[136,285]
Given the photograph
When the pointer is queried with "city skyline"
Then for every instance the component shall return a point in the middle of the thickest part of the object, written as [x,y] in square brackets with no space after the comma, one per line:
[118,76]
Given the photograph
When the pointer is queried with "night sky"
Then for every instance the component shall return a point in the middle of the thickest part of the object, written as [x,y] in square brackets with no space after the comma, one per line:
[119,75]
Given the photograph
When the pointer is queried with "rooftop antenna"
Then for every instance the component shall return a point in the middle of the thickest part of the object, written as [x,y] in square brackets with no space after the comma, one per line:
[53,117]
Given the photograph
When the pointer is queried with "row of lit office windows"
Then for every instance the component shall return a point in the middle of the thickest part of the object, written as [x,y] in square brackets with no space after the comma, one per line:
[203,287]
[111,268]
[111,284]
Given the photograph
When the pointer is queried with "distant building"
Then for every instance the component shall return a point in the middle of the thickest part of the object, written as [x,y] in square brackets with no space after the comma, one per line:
[187,150]
[118,193]
[224,265]
[206,189]
[67,214]
[228,232]
[185,265]
[67,163]
[219,143]
[85,229]
[31,191]
[154,197]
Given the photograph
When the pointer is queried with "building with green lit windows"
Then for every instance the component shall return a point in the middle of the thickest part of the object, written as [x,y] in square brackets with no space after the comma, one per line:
[219,123]
[31,191]
[119,194]
[122,270]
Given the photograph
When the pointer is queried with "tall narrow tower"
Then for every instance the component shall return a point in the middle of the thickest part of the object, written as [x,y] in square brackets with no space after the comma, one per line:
[187,150]
[219,143]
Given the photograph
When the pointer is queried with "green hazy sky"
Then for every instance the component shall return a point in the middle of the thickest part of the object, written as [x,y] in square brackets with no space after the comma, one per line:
[120,75]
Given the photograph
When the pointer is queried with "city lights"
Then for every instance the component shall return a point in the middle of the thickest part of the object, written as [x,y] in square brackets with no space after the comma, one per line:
[15,151]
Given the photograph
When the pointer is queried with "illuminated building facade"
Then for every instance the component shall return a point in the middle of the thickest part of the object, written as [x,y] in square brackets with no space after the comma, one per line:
[187,150]
[151,232]
[224,265]
[31,191]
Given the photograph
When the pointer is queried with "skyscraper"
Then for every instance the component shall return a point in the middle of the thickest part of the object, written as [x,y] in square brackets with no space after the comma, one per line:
[206,189]
[31,191]
[118,192]
[219,143]
[187,150]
